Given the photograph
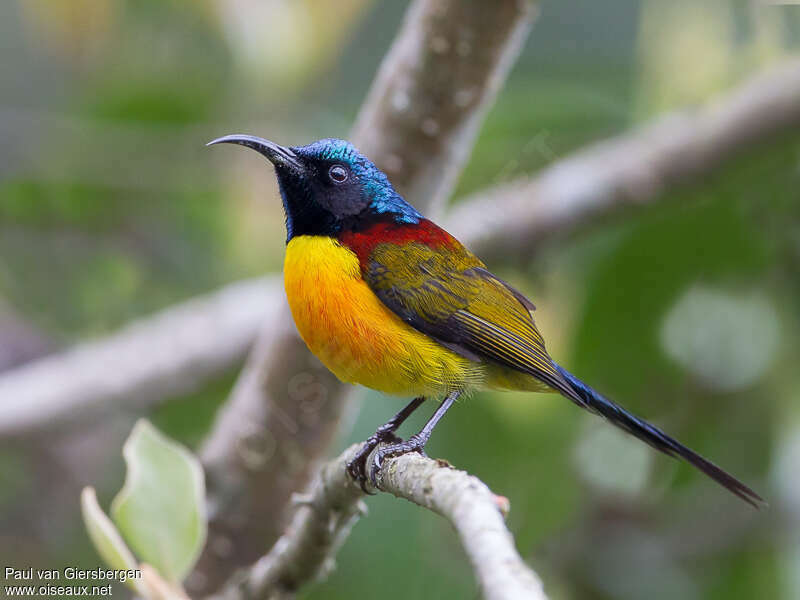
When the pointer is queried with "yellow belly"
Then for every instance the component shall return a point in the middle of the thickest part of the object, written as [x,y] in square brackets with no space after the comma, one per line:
[355,335]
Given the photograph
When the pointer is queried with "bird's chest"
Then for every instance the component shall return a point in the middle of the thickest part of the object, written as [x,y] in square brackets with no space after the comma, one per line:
[343,323]
[353,333]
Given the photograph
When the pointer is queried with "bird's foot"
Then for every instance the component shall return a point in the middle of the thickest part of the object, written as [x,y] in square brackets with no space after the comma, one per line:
[357,467]
[416,443]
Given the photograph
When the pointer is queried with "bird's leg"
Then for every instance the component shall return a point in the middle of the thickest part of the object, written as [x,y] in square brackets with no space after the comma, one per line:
[357,467]
[416,443]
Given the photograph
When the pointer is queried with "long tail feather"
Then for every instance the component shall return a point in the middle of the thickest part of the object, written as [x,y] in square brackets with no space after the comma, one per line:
[599,404]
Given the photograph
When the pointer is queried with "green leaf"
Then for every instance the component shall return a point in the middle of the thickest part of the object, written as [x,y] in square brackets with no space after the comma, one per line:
[161,508]
[106,539]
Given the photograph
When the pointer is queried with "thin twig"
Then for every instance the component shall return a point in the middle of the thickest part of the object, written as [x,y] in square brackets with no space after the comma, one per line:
[475,512]
[323,520]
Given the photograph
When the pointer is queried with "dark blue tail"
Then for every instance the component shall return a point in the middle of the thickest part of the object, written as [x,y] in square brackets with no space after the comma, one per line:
[599,404]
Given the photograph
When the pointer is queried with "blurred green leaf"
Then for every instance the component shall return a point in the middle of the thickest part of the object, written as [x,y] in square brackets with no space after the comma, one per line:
[160,510]
[106,539]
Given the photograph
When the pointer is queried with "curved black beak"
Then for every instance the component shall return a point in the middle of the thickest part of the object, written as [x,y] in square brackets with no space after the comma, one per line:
[280,156]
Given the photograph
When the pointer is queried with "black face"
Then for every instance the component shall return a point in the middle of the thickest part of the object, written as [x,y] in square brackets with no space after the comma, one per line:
[319,200]
[328,186]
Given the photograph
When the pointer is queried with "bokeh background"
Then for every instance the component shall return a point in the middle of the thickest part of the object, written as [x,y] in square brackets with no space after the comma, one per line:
[686,312]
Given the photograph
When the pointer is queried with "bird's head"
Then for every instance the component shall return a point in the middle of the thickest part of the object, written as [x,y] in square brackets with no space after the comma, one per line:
[328,186]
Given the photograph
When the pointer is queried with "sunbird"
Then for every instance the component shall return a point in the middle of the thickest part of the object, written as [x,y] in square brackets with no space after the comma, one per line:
[387,299]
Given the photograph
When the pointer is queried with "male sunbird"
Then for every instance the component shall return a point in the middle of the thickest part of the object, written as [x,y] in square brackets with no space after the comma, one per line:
[387,299]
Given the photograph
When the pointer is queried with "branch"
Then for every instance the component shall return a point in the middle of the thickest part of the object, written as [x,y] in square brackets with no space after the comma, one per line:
[630,170]
[326,516]
[172,352]
[307,550]
[474,511]
[418,123]
[433,89]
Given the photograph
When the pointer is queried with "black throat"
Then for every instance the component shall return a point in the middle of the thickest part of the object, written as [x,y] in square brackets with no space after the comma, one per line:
[303,215]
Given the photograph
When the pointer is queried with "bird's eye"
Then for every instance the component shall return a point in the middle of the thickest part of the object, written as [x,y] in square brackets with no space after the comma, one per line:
[337,173]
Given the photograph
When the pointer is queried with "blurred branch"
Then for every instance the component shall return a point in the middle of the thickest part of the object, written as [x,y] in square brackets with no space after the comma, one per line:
[327,514]
[418,123]
[20,341]
[629,170]
[305,553]
[170,353]
[433,89]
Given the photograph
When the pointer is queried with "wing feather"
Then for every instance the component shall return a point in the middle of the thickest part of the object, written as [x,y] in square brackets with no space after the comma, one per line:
[448,294]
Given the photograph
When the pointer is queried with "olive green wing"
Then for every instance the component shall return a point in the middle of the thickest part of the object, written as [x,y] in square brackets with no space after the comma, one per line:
[446,293]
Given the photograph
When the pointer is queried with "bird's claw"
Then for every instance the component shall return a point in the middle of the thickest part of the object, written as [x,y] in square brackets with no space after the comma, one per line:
[415,443]
[357,466]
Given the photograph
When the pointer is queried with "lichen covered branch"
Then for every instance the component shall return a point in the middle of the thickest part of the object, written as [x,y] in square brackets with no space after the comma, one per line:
[324,518]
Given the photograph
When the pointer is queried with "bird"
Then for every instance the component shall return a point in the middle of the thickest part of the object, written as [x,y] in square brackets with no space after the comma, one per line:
[387,299]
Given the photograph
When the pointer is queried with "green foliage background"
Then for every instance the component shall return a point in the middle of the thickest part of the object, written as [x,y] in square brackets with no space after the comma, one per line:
[111,208]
